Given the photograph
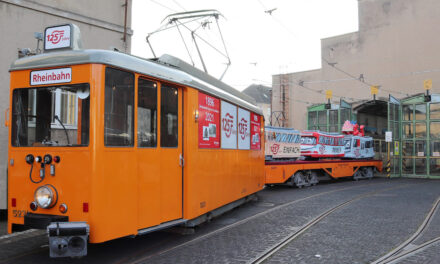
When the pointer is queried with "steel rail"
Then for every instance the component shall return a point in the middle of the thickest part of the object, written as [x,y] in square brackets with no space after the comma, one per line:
[406,253]
[385,258]
[243,221]
[281,244]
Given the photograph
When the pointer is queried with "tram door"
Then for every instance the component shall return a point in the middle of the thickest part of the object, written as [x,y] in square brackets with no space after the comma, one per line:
[159,132]
[171,156]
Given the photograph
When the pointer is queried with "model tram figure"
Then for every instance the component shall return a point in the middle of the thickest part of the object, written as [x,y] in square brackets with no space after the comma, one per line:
[318,144]
[282,143]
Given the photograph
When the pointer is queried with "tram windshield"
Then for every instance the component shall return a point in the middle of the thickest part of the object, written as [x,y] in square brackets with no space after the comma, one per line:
[308,140]
[51,116]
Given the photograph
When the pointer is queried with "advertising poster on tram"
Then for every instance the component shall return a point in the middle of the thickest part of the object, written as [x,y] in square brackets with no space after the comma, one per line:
[255,131]
[244,127]
[229,125]
[209,121]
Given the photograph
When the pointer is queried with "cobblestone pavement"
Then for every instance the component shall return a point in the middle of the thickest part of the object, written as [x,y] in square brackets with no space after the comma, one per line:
[245,242]
[243,233]
[126,249]
[364,230]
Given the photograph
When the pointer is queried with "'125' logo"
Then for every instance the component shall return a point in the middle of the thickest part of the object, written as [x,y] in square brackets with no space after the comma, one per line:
[227,124]
[242,127]
[56,36]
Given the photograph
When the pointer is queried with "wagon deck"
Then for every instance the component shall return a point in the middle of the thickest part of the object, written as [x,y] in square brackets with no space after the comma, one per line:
[302,173]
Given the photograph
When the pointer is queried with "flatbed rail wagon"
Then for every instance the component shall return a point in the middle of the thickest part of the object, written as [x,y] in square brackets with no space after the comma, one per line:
[301,173]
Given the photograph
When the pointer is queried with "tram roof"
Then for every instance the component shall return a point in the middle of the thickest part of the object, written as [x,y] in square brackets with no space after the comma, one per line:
[165,67]
[281,129]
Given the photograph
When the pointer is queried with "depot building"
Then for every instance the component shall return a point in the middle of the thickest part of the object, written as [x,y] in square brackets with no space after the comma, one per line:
[395,53]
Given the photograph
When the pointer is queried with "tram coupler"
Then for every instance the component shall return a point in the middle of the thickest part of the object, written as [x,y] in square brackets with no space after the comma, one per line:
[68,239]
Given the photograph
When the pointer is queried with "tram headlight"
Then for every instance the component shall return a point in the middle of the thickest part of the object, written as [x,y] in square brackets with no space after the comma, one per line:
[46,196]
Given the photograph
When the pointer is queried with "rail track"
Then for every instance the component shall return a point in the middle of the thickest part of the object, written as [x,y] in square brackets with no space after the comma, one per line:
[281,244]
[144,258]
[400,252]
[139,256]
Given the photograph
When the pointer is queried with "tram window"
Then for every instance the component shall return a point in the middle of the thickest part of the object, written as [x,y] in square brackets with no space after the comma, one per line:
[278,137]
[355,143]
[169,116]
[308,140]
[347,144]
[147,113]
[119,101]
[51,116]
[332,141]
[321,140]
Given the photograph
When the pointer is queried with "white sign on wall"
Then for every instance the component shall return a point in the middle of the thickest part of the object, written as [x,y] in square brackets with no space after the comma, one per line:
[57,37]
[229,126]
[244,129]
[388,136]
[63,75]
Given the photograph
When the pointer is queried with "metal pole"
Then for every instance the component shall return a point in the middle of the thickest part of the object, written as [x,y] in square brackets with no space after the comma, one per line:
[388,160]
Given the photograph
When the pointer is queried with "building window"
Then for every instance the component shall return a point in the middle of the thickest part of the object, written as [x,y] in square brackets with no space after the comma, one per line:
[434,111]
[407,111]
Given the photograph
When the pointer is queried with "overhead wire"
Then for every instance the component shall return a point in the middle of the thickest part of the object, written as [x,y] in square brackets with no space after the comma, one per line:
[177,3]
[358,78]
[164,6]
[278,21]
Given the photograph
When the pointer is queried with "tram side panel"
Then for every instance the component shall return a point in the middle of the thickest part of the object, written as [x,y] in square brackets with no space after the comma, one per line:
[215,177]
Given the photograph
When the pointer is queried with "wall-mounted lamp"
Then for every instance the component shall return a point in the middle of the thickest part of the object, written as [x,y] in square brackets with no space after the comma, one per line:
[196,115]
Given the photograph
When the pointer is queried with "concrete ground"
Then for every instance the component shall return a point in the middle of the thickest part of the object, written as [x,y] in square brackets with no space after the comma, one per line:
[388,212]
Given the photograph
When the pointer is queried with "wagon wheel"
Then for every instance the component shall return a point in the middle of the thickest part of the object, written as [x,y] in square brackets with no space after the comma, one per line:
[313,178]
[368,173]
[357,175]
[299,179]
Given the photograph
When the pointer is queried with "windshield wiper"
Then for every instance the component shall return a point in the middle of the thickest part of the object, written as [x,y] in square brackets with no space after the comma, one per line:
[65,130]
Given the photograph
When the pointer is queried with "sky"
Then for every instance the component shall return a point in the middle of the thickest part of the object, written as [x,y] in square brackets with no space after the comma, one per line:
[259,44]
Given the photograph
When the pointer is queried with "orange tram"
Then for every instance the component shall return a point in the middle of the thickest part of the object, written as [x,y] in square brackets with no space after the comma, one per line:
[104,145]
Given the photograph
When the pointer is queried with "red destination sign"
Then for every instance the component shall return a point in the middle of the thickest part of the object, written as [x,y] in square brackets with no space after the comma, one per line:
[255,131]
[209,121]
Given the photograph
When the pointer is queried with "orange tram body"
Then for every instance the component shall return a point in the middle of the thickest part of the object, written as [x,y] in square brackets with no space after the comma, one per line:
[108,145]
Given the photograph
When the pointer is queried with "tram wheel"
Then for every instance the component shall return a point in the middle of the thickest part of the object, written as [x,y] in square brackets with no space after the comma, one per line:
[299,179]
[357,175]
[368,173]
